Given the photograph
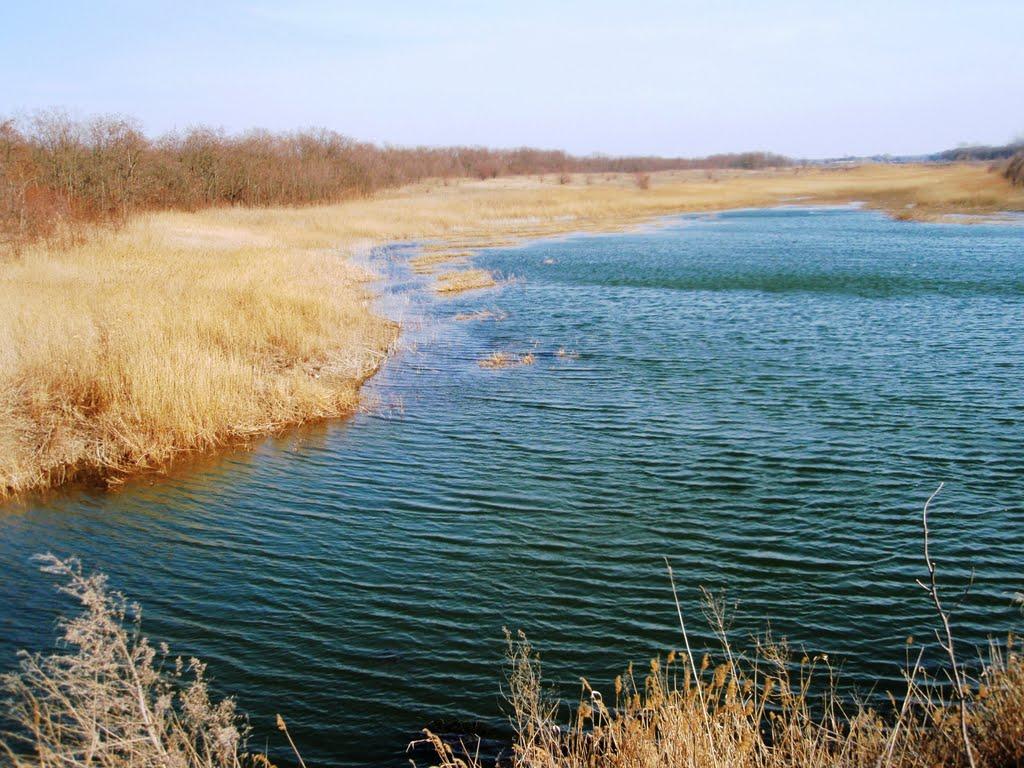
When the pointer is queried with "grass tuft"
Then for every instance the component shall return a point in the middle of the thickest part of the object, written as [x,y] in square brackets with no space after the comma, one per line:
[464,280]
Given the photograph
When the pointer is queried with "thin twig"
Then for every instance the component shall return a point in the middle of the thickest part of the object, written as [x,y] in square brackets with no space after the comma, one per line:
[689,655]
[932,588]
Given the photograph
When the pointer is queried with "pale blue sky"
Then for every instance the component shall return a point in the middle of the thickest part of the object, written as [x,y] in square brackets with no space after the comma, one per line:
[810,78]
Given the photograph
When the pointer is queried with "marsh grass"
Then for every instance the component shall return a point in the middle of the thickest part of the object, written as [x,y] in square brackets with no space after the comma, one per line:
[506,360]
[183,332]
[427,263]
[770,708]
[459,281]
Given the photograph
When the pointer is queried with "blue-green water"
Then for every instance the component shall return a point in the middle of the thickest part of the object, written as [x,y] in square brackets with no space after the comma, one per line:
[764,397]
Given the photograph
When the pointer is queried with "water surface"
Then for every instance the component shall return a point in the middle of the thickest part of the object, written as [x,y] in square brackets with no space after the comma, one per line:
[764,397]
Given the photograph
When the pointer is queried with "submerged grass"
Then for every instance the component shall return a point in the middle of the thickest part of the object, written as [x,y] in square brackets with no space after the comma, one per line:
[429,262]
[506,360]
[186,331]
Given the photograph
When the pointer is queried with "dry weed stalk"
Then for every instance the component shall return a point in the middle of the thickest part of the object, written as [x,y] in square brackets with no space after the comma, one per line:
[945,640]
[108,702]
[771,708]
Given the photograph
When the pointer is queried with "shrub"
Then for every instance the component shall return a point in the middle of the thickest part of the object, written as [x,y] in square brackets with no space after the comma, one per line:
[57,175]
[108,703]
[1014,170]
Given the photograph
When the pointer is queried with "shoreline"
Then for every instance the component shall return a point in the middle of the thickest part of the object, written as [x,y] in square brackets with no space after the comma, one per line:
[252,321]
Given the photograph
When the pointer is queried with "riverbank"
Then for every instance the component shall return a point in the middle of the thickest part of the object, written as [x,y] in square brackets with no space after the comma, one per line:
[182,332]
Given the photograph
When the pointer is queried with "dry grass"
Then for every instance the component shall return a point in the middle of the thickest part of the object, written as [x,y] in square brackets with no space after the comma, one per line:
[762,710]
[187,331]
[462,280]
[427,263]
[121,354]
[506,360]
[769,708]
[109,702]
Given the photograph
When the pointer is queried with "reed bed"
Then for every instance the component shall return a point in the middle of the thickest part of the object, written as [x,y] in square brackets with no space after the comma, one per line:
[771,708]
[459,281]
[185,331]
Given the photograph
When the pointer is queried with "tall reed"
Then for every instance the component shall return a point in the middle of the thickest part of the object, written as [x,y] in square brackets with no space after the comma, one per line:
[769,708]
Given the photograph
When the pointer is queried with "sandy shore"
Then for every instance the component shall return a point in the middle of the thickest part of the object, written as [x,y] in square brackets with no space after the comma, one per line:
[183,332]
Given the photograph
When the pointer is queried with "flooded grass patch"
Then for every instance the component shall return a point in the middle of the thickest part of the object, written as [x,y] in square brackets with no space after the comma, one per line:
[458,281]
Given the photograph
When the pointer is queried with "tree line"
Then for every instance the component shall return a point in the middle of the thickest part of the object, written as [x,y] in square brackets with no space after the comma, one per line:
[57,173]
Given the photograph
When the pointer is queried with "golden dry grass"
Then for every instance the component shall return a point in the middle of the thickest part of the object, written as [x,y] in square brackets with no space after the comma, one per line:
[169,337]
[772,708]
[185,331]
[462,280]
[428,263]
[506,360]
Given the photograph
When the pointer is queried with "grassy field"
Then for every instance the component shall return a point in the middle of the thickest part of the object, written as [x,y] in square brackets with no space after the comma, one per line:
[182,332]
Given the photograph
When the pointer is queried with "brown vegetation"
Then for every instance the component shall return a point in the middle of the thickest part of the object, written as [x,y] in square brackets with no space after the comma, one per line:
[506,360]
[770,708]
[464,280]
[57,173]
[1014,170]
[184,331]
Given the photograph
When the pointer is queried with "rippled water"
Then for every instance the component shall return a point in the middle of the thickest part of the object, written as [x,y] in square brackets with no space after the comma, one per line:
[764,397]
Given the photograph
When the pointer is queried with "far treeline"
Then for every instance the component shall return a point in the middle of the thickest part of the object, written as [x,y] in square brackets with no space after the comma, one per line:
[57,173]
[1008,157]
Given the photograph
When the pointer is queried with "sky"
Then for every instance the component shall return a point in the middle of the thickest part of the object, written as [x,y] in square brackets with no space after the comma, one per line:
[821,78]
